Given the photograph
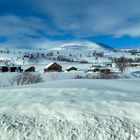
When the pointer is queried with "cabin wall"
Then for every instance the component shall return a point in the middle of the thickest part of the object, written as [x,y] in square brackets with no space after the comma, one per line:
[105,71]
[54,68]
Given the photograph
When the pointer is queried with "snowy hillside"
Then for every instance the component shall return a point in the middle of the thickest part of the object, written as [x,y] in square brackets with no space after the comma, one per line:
[82,46]
[91,92]
[71,51]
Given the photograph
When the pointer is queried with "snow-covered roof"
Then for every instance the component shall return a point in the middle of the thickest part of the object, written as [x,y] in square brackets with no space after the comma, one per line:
[47,66]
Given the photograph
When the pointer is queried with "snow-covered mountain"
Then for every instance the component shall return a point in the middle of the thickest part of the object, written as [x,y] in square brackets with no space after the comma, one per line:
[83,46]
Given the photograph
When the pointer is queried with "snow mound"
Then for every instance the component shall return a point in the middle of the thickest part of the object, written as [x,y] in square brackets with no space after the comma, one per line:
[57,127]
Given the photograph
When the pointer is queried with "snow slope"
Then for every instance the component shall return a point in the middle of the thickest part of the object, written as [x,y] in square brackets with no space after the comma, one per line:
[71,110]
[82,46]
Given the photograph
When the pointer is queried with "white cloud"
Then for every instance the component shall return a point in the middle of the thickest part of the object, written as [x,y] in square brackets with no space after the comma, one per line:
[16,27]
[81,18]
[91,17]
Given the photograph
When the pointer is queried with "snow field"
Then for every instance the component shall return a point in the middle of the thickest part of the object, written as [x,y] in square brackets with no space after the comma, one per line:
[71,110]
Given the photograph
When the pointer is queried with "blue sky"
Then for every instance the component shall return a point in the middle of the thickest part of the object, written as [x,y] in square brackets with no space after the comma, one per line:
[28,22]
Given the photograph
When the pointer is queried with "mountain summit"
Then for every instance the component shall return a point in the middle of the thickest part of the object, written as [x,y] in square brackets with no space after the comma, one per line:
[83,46]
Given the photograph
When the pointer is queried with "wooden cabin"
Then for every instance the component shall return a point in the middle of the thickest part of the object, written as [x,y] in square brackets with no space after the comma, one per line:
[53,67]
[30,69]
[71,69]
[4,69]
[105,71]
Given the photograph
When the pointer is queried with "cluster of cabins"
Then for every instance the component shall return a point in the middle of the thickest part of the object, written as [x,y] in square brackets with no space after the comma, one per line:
[52,67]
[15,68]
[100,70]
[10,68]
[58,68]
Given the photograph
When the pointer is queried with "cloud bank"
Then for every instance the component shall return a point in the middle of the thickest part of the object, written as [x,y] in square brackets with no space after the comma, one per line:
[44,19]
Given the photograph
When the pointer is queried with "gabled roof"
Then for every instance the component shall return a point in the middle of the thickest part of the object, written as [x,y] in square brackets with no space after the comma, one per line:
[50,64]
[70,67]
[29,67]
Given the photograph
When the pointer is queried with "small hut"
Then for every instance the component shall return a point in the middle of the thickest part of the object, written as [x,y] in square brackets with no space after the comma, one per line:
[3,69]
[71,69]
[30,69]
[105,71]
[53,67]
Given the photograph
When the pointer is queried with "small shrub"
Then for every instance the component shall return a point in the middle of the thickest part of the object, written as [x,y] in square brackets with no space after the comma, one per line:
[83,61]
[26,78]
[100,76]
[78,77]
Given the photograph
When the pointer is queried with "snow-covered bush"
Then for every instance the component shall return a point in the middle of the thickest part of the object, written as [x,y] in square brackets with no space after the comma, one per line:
[26,78]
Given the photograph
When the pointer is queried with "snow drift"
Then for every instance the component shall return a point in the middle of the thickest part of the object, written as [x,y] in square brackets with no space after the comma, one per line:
[58,127]
[86,110]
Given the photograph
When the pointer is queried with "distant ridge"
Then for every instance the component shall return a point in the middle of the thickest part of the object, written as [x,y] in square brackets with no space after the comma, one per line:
[105,46]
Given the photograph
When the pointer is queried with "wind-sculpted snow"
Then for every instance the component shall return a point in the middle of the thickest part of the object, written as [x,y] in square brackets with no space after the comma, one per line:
[83,126]
[71,110]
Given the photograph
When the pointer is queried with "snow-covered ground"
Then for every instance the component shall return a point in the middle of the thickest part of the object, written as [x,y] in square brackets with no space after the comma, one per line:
[71,109]
[65,108]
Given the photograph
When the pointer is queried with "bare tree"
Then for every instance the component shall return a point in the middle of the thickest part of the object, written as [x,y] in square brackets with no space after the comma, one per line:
[121,63]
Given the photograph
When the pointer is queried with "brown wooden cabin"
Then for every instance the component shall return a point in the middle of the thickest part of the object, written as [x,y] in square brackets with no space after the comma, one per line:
[53,67]
[71,69]
[30,69]
[105,71]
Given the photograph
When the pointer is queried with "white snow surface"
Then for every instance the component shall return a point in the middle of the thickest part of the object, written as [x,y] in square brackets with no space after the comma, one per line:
[71,110]
[64,108]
